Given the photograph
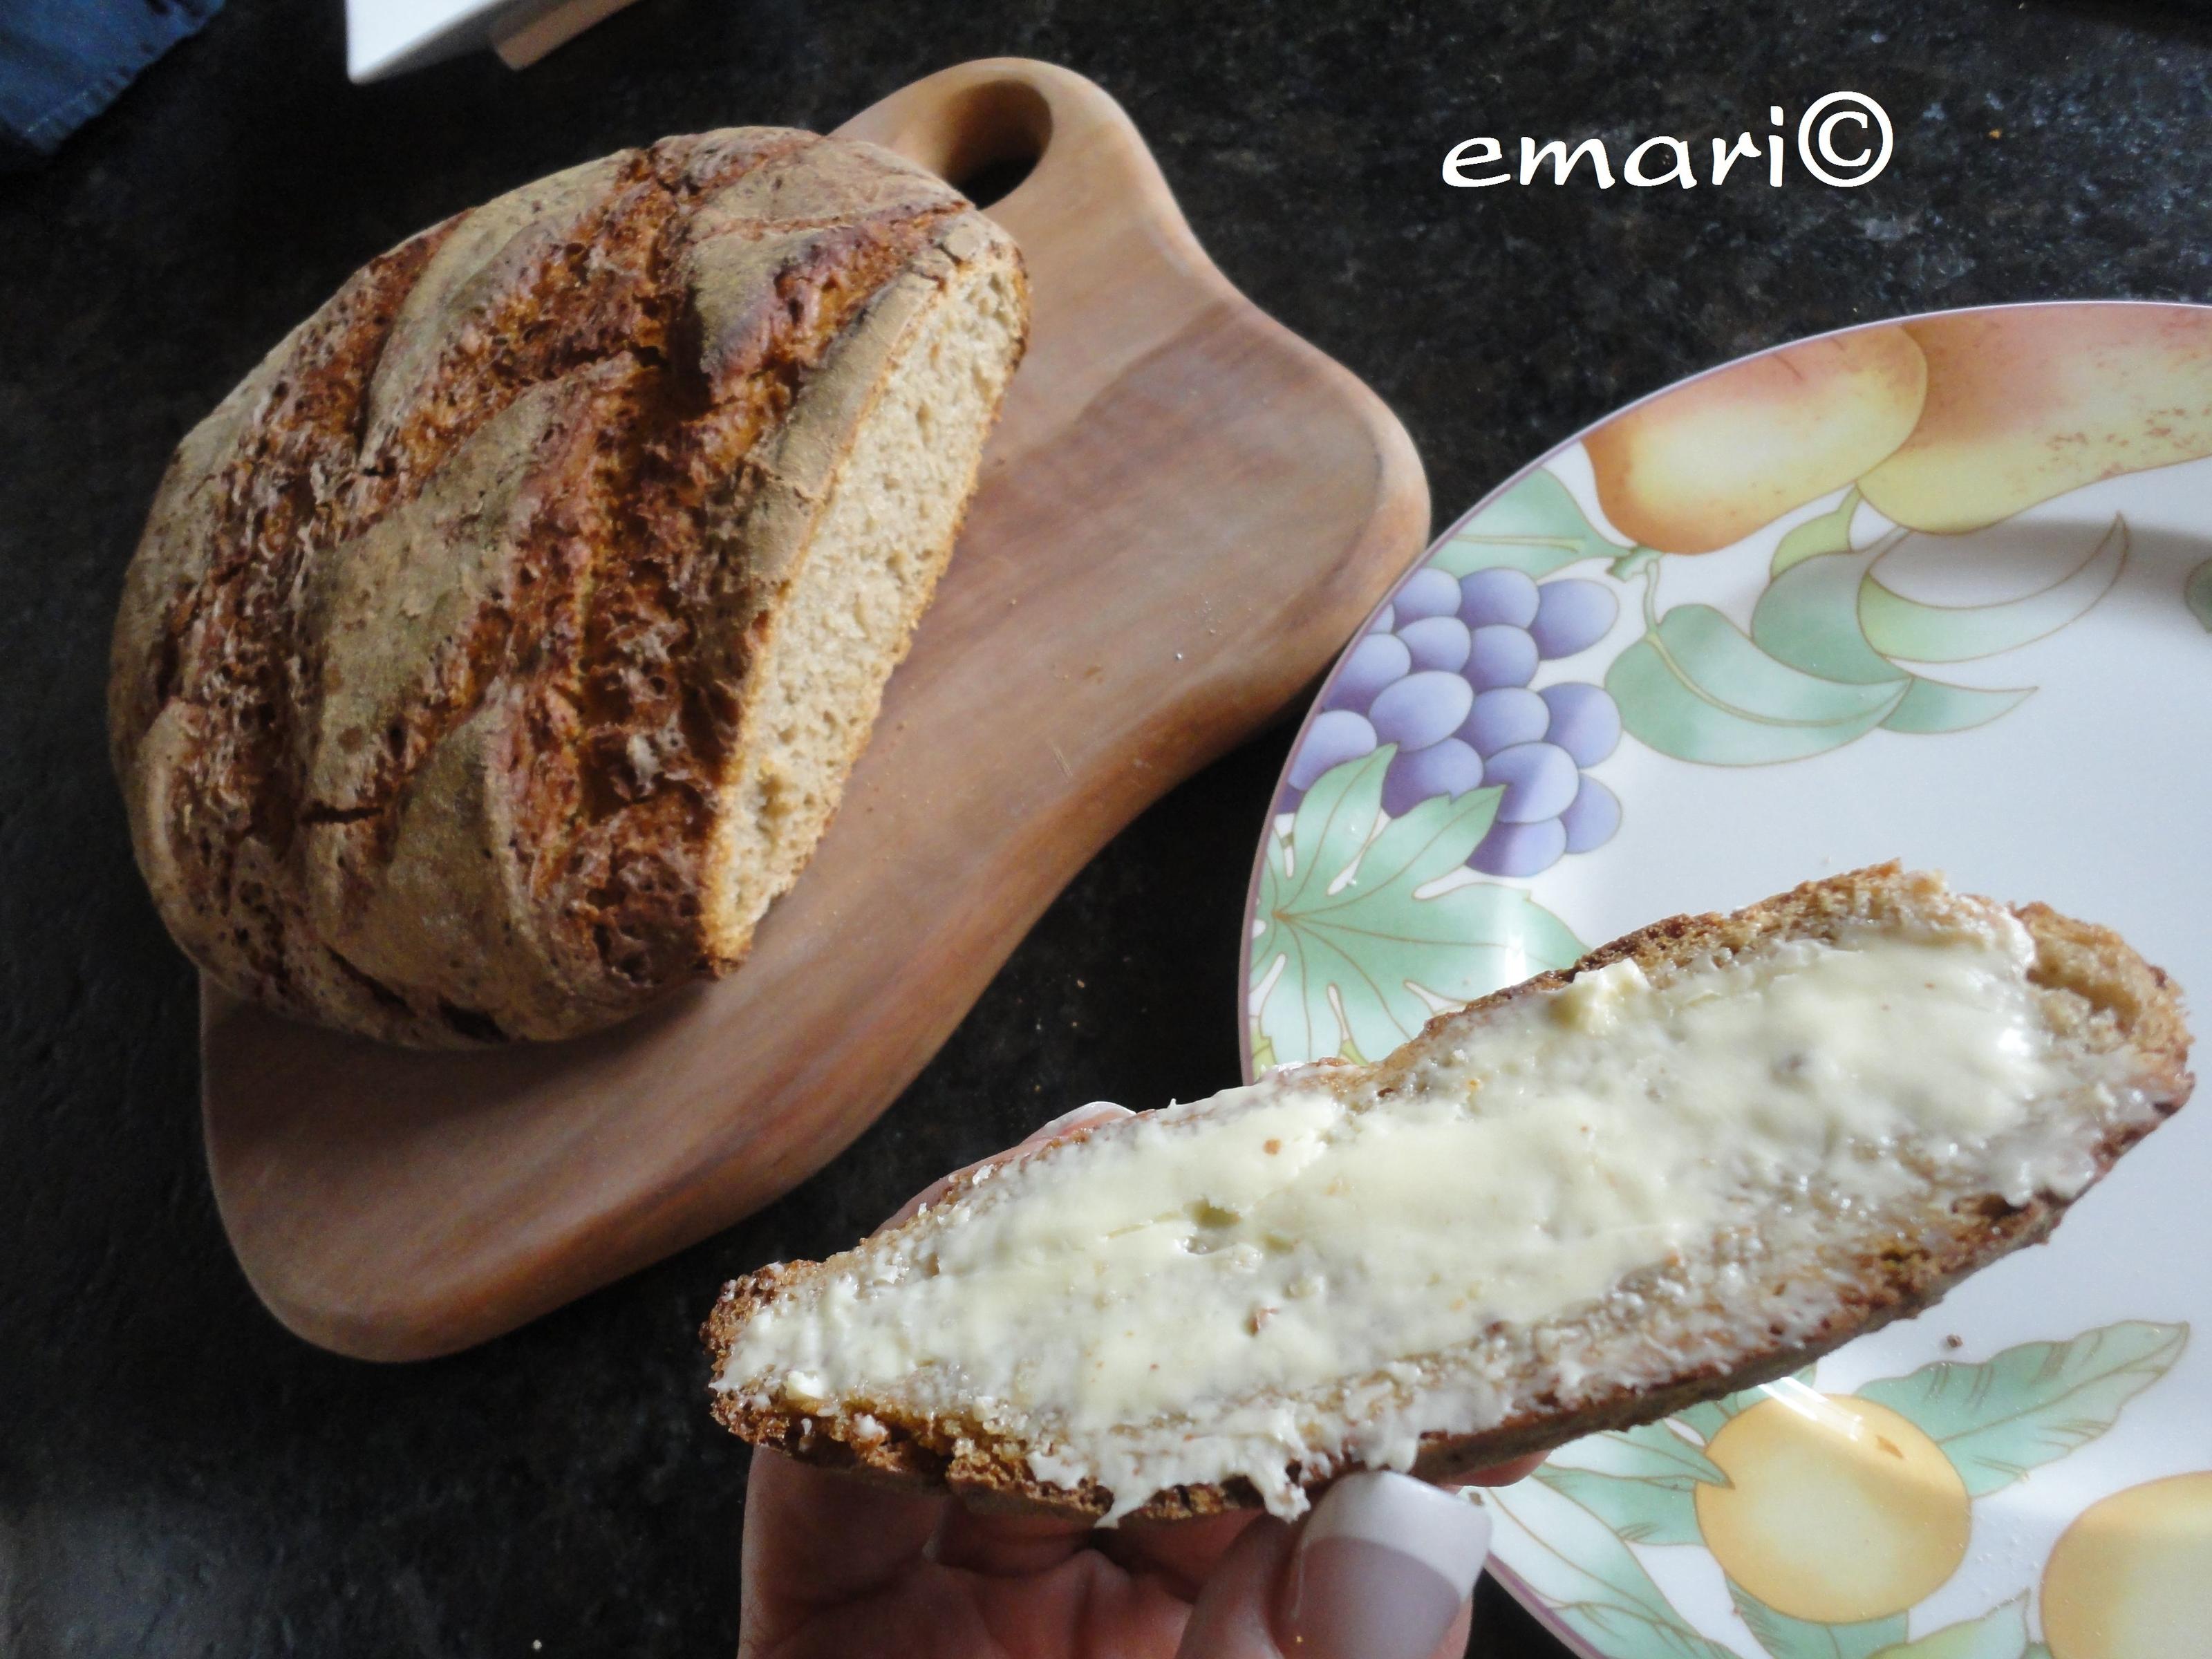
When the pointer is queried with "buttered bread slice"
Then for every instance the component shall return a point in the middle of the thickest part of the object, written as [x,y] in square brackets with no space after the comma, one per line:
[1711,1151]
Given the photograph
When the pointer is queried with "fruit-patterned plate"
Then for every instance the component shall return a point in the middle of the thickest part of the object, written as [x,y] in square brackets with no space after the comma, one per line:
[1938,590]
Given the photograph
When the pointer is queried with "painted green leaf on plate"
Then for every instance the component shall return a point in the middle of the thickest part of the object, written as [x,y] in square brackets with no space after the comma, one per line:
[1534,527]
[1796,1638]
[1638,1481]
[2197,593]
[1918,632]
[1931,706]
[1579,1565]
[1612,1629]
[2030,1404]
[1332,825]
[1330,830]
[1829,533]
[1642,1511]
[1651,1451]
[1364,922]
[1808,618]
[1697,689]
[2000,1633]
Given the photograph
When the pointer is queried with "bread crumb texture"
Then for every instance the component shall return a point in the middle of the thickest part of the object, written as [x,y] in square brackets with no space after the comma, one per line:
[497,651]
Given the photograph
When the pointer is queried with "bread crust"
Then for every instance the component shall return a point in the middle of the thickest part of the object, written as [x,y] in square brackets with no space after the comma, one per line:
[2102,993]
[437,650]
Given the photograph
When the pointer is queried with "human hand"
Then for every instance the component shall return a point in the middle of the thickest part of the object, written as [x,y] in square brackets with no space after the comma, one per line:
[835,1569]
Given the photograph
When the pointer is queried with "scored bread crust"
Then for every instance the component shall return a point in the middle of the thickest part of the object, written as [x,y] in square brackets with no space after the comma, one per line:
[437,660]
[2099,993]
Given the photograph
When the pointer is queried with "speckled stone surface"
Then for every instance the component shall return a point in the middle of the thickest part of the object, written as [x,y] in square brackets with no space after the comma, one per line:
[178,1476]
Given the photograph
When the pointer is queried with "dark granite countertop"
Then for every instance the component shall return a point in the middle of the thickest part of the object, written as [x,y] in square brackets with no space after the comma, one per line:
[176,1474]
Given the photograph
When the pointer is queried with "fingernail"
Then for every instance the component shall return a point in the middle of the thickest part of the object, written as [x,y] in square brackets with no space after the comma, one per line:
[1383,1567]
[1096,1111]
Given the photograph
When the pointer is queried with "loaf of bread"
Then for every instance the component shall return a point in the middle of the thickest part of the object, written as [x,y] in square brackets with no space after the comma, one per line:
[1710,1152]
[499,649]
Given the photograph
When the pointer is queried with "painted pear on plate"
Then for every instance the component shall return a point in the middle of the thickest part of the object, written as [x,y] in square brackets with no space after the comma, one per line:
[2028,403]
[1704,466]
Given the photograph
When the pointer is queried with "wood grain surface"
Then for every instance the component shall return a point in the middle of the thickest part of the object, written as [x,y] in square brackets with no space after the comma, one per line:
[1184,512]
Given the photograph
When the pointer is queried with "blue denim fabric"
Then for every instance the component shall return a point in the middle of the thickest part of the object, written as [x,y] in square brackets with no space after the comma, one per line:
[61,61]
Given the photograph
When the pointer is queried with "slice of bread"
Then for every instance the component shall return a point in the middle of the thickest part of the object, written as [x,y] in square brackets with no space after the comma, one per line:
[497,651]
[1707,1153]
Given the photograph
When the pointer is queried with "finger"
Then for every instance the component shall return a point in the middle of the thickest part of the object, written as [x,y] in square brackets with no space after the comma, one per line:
[1184,1555]
[1453,1644]
[1233,1617]
[1083,1117]
[1005,1545]
[1381,1569]
[813,1537]
[1384,1570]
[1498,1474]
[1187,1553]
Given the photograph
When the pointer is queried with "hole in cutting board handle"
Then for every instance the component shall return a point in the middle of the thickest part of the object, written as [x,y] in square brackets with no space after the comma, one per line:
[994,181]
[990,139]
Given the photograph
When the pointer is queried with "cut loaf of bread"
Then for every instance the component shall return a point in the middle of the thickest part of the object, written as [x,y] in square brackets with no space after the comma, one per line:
[1707,1153]
[497,651]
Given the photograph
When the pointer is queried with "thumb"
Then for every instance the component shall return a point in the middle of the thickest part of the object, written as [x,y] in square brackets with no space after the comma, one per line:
[1381,1569]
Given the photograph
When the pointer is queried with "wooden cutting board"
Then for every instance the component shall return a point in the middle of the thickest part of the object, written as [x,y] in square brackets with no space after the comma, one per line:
[1184,511]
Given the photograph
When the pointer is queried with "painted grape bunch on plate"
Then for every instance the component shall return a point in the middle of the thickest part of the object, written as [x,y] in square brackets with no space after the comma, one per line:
[1442,677]
[1437,769]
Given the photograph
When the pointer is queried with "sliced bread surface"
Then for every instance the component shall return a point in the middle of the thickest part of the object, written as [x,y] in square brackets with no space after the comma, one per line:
[1711,1152]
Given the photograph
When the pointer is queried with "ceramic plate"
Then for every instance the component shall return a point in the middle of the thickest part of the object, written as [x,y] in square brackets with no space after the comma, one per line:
[1938,590]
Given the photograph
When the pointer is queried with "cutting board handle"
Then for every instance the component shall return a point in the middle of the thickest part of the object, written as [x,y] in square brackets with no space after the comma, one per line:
[1081,143]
